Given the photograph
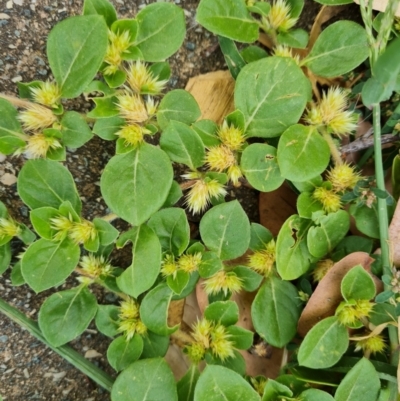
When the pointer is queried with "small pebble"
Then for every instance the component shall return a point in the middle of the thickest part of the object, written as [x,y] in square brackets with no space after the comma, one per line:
[3,339]
[9,4]
[190,46]
[4,16]
[18,78]
[18,2]
[92,353]
[26,373]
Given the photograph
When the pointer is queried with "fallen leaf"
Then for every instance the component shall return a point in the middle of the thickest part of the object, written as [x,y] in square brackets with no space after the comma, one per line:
[327,295]
[394,236]
[175,312]
[177,360]
[380,5]
[92,353]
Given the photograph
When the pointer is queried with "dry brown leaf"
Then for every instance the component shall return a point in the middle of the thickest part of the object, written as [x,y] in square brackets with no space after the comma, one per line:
[214,94]
[175,312]
[276,207]
[177,360]
[327,296]
[380,5]
[394,236]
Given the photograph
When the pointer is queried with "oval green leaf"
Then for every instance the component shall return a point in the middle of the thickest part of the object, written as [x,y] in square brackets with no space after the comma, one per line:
[136,184]
[272,93]
[357,284]
[122,352]
[75,130]
[224,312]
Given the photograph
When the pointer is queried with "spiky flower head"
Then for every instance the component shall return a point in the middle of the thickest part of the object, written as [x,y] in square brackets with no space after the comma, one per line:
[278,18]
[132,108]
[128,309]
[371,345]
[322,267]
[9,228]
[142,80]
[235,174]
[130,322]
[95,266]
[331,112]
[220,158]
[83,231]
[39,144]
[227,282]
[343,176]
[263,260]
[151,106]
[190,263]
[202,332]
[48,94]
[329,199]
[62,225]
[133,135]
[231,136]
[286,51]
[221,346]
[350,312]
[201,193]
[36,117]
[117,46]
[169,266]
[195,352]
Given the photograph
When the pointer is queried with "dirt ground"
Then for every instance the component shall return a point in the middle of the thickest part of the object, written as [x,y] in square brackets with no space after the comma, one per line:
[29,370]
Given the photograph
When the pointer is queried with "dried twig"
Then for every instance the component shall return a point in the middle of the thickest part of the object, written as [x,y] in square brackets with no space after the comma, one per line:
[365,142]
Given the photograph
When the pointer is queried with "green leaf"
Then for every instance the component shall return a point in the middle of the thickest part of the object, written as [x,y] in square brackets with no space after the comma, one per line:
[217,383]
[272,93]
[175,193]
[360,384]
[76,48]
[236,363]
[46,264]
[123,352]
[339,49]
[233,58]
[106,232]
[145,380]
[178,282]
[331,229]
[224,312]
[40,219]
[115,80]
[241,338]
[306,205]
[66,314]
[187,384]
[75,130]
[207,131]
[154,345]
[183,145]
[146,261]
[177,105]
[154,310]
[296,38]
[293,257]
[100,7]
[156,23]
[225,229]
[228,18]
[275,311]
[253,53]
[16,275]
[313,394]
[107,320]
[324,344]
[47,183]
[250,279]
[259,237]
[296,145]
[130,180]
[260,166]
[106,128]
[105,107]
[274,390]
[5,257]
[11,134]
[382,313]
[210,264]
[366,219]
[260,8]
[334,2]
[126,25]
[357,284]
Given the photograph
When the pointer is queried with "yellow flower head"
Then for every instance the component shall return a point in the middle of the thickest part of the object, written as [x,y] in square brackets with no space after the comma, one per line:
[95,266]
[373,345]
[132,108]
[195,352]
[190,263]
[82,231]
[220,158]
[321,269]
[130,327]
[151,106]
[329,199]
[234,174]
[221,347]
[223,281]
[278,19]
[38,145]
[9,227]
[129,309]
[62,225]
[286,51]
[263,260]
[169,266]
[314,116]
[132,135]
[118,44]
[142,80]
[37,117]
[351,312]
[48,94]
[201,193]
[363,308]
[343,177]
[231,136]
[202,332]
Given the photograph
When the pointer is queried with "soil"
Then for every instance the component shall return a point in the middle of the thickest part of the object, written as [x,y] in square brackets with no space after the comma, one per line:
[28,369]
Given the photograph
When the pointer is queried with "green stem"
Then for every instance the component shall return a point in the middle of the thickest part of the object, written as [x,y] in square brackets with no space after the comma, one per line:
[335,153]
[73,357]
